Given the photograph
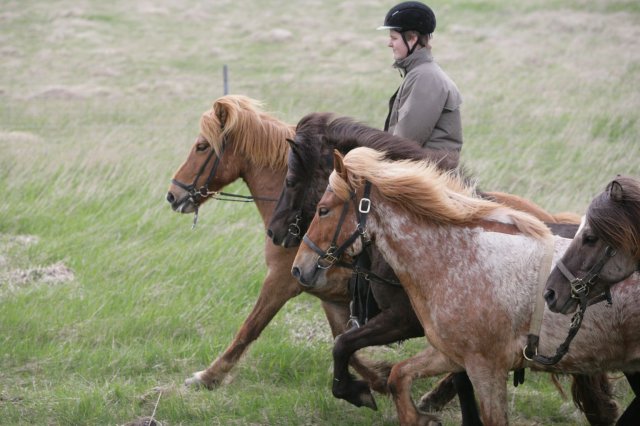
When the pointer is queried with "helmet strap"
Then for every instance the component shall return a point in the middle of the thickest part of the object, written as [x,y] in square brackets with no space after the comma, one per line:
[406,43]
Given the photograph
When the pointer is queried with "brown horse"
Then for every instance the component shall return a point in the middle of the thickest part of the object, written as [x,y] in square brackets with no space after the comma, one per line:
[309,164]
[606,249]
[456,253]
[238,140]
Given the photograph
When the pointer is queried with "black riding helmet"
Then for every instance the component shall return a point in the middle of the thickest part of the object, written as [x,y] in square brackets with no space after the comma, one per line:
[410,16]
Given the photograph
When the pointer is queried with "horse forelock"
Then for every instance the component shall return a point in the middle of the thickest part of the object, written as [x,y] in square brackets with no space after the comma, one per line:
[253,133]
[423,190]
[617,221]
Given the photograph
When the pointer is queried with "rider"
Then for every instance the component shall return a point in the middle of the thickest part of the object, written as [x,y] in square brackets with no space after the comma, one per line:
[426,106]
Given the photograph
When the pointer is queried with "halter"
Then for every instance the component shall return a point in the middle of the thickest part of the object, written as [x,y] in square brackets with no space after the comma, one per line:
[197,196]
[580,288]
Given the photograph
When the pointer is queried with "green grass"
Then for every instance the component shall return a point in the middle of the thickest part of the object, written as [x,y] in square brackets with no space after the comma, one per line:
[99,103]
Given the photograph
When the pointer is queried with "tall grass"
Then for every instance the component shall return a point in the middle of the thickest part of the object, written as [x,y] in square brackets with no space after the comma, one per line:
[99,104]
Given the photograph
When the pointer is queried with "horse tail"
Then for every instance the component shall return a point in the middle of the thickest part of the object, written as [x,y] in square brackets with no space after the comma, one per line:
[593,395]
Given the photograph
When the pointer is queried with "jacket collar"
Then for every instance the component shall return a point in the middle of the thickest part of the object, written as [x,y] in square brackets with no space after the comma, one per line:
[419,56]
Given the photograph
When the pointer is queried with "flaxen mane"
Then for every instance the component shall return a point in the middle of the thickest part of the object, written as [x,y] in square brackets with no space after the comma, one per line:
[256,134]
[614,215]
[423,190]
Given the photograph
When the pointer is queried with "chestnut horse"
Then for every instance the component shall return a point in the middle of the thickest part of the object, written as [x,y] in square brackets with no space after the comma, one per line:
[473,270]
[238,140]
[309,165]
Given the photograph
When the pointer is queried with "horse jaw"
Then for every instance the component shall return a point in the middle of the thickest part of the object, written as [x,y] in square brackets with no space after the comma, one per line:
[184,207]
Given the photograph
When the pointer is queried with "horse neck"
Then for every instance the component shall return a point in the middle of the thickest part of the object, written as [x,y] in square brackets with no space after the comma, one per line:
[264,182]
[463,262]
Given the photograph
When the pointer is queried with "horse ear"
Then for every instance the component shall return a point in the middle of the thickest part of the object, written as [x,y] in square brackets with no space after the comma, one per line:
[338,164]
[221,113]
[615,191]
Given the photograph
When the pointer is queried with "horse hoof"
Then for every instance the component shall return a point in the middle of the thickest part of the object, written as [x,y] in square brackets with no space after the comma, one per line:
[196,382]
[427,404]
[428,420]
[358,394]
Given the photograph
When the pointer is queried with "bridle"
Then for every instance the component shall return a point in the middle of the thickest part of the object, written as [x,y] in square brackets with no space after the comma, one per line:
[580,288]
[332,255]
[197,196]
[329,257]
[294,227]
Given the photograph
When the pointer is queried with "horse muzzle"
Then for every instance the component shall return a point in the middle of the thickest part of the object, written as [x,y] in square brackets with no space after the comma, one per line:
[307,277]
[182,205]
[552,299]
[285,241]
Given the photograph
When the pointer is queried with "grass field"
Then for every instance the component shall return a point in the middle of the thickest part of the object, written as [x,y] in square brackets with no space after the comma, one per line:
[108,300]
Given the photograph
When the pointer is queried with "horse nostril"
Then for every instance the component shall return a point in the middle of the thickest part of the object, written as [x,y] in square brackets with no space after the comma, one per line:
[270,233]
[550,296]
[295,271]
[170,197]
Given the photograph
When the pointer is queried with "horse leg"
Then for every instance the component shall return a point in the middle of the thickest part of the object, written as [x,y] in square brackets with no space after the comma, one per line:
[436,399]
[384,328]
[429,362]
[594,397]
[374,373]
[631,415]
[490,384]
[276,290]
[445,390]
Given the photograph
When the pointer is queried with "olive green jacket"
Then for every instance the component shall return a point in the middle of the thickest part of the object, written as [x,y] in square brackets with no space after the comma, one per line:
[426,107]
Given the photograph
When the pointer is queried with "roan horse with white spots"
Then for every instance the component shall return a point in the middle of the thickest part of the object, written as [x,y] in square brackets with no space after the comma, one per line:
[604,252]
[310,162]
[239,141]
[474,271]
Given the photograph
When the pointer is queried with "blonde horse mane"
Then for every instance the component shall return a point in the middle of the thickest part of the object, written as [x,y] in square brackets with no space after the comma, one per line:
[258,135]
[423,190]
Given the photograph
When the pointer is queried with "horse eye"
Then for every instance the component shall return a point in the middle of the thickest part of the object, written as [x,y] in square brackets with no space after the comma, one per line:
[290,183]
[203,146]
[590,239]
[323,211]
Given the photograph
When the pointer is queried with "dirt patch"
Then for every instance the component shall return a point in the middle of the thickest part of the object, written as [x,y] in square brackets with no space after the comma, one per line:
[13,272]
[52,274]
[304,329]
[20,137]
[70,93]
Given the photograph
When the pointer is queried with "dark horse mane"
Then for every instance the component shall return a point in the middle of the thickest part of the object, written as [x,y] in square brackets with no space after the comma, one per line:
[614,215]
[345,134]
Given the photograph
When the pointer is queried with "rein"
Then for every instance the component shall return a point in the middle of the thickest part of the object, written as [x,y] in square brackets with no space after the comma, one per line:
[580,288]
[197,196]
